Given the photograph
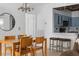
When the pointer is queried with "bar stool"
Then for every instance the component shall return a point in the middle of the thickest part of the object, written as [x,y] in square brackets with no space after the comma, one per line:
[62,42]
[54,43]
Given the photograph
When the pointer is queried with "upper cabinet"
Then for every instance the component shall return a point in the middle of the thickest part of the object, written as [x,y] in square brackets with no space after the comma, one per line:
[62,20]
[66,19]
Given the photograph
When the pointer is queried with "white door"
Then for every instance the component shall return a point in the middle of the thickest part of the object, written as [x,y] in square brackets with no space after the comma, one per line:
[30,24]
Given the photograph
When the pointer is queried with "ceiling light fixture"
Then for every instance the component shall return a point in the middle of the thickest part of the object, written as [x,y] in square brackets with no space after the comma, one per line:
[25,8]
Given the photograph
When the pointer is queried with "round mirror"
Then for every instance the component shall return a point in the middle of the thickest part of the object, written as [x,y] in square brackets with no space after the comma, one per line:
[7,21]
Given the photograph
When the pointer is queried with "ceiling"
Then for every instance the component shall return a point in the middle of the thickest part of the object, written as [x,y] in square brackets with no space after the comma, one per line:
[69,8]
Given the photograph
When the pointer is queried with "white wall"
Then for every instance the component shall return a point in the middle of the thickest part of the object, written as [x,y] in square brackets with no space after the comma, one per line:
[44,13]
[45,19]
[18,15]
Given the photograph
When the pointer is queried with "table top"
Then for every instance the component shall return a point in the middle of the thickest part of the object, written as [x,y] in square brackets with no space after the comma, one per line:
[9,41]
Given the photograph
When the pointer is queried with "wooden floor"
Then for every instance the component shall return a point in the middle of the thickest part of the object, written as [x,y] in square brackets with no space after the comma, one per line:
[39,53]
[50,53]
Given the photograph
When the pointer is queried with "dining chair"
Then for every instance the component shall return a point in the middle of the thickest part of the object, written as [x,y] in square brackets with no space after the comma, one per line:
[40,45]
[19,37]
[9,38]
[25,47]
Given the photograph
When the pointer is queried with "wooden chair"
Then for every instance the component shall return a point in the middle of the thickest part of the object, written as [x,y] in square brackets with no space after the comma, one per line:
[19,37]
[9,38]
[40,44]
[25,47]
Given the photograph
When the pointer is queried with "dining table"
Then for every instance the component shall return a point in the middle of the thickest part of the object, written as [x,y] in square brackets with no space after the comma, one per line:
[13,44]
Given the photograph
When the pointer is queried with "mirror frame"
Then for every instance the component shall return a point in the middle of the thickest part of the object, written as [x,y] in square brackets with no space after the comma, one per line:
[13,21]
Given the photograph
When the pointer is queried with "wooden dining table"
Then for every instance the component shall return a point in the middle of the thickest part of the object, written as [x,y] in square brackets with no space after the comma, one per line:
[8,42]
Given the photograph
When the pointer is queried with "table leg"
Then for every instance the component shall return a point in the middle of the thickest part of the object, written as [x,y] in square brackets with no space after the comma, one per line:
[4,49]
[0,49]
[45,47]
[13,49]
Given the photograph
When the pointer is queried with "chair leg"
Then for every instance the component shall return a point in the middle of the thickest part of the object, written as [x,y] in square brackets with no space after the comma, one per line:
[31,54]
[34,51]
[26,54]
[0,49]
[11,52]
[42,52]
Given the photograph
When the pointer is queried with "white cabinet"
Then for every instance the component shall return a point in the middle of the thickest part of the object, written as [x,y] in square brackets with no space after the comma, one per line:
[30,24]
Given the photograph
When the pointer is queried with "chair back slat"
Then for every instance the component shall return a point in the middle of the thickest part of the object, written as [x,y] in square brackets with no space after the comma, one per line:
[39,40]
[25,41]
